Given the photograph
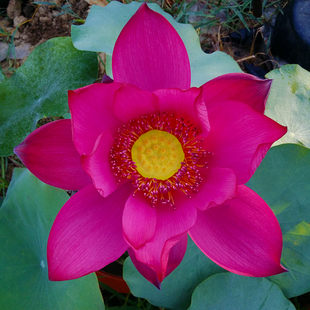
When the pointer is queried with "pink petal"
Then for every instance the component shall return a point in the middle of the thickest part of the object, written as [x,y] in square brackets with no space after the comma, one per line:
[239,138]
[240,87]
[203,116]
[130,102]
[150,54]
[139,221]
[92,113]
[172,225]
[145,270]
[49,153]
[176,255]
[98,166]
[242,235]
[182,104]
[87,234]
[218,185]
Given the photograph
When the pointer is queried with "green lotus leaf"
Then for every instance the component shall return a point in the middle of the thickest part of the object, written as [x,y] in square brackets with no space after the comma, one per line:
[26,217]
[230,291]
[39,88]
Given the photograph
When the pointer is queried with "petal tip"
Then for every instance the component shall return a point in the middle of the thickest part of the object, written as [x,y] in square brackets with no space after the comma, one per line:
[52,274]
[51,278]
[106,80]
[278,269]
[156,282]
[283,269]
[16,149]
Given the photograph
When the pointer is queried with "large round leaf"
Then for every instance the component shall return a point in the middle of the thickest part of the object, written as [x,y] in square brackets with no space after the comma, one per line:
[177,288]
[39,88]
[103,25]
[230,291]
[283,181]
[26,217]
[289,103]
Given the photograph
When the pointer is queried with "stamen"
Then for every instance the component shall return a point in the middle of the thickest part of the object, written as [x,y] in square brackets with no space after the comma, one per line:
[187,178]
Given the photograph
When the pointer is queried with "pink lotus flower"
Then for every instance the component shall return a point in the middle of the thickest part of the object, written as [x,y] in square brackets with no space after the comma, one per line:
[154,159]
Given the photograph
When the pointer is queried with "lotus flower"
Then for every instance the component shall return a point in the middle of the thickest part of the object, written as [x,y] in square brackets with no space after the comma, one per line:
[155,160]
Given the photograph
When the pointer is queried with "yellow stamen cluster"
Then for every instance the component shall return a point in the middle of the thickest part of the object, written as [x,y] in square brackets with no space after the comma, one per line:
[160,153]
[157,154]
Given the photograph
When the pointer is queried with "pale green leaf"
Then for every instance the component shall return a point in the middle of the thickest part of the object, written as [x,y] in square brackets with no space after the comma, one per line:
[289,103]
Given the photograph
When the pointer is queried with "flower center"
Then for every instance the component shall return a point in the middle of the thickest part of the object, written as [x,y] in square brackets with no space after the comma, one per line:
[157,154]
[160,154]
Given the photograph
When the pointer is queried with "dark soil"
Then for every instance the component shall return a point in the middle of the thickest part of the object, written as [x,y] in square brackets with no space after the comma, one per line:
[35,24]
[47,23]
